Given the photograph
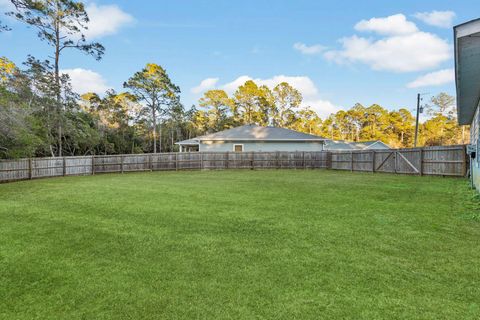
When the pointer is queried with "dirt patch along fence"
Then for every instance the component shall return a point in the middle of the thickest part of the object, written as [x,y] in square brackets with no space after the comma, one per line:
[443,161]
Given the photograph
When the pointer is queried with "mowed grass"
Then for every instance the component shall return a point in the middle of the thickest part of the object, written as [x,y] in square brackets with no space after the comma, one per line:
[239,245]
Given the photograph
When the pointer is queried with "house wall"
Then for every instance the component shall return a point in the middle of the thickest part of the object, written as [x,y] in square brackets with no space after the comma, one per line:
[220,146]
[474,140]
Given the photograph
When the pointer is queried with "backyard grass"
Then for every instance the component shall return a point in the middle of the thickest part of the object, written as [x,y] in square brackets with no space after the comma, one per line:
[239,245]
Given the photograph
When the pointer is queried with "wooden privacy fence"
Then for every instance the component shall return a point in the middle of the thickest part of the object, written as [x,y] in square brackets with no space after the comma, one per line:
[444,161]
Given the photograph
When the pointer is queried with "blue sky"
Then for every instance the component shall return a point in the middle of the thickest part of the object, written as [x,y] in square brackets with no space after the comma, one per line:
[336,52]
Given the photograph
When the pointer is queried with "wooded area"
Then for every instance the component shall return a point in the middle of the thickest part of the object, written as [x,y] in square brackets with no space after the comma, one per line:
[42,116]
[443,161]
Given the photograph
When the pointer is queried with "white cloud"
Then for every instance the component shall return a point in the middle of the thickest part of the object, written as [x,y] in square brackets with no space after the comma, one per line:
[391,25]
[84,81]
[105,20]
[436,78]
[404,50]
[322,107]
[205,85]
[308,89]
[232,86]
[442,19]
[309,50]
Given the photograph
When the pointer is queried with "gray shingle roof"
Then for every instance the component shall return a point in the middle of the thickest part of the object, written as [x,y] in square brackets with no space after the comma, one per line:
[339,145]
[256,133]
[345,145]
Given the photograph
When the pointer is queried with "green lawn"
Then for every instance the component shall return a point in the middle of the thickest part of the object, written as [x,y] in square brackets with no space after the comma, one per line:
[239,245]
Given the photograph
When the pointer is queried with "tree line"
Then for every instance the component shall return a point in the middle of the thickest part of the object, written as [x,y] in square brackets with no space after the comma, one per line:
[41,115]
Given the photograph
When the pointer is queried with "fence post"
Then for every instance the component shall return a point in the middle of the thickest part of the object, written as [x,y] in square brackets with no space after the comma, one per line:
[303,158]
[201,161]
[251,160]
[395,161]
[226,159]
[30,165]
[421,161]
[277,154]
[64,167]
[373,160]
[121,163]
[464,161]
[176,162]
[93,165]
[351,161]
[150,162]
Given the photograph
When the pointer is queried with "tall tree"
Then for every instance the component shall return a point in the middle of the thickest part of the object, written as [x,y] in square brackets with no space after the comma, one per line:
[153,86]
[246,100]
[217,104]
[287,101]
[308,121]
[442,127]
[61,24]
[7,68]
[357,116]
[254,103]
[442,104]
[401,128]
[376,121]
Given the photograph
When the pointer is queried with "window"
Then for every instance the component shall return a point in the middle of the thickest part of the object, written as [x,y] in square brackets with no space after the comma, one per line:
[238,147]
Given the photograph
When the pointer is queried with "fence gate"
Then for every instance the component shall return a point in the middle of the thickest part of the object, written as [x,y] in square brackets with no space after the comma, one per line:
[398,161]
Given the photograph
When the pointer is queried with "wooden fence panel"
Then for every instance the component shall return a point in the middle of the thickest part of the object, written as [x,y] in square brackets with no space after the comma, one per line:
[107,164]
[189,161]
[408,161]
[318,160]
[162,161]
[385,161]
[47,167]
[11,170]
[75,166]
[136,162]
[240,160]
[363,161]
[445,161]
[341,160]
[264,160]
[214,160]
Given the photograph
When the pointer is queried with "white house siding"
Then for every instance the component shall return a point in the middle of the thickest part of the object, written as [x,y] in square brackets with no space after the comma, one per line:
[474,140]
[220,146]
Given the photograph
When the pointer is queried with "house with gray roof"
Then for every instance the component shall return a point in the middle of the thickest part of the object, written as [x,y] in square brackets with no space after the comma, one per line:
[254,138]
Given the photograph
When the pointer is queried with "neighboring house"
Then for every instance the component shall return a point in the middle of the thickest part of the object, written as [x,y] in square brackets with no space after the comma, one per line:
[467,76]
[340,145]
[254,138]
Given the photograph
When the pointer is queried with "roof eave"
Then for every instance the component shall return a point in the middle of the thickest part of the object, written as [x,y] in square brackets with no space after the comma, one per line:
[186,142]
[466,105]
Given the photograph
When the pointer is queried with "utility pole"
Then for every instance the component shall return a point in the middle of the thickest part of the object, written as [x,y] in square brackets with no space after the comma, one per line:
[416,122]
[419,110]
